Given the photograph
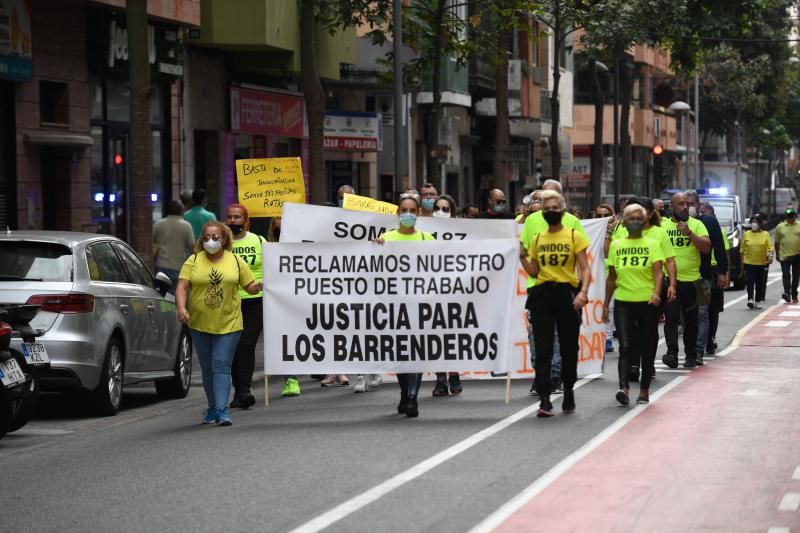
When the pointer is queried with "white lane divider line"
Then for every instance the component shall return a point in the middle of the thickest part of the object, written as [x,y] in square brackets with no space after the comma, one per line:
[778,323]
[517,502]
[790,502]
[790,314]
[778,530]
[352,505]
[796,474]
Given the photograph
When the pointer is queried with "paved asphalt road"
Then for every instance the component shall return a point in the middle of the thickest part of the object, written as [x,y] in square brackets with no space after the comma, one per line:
[154,467]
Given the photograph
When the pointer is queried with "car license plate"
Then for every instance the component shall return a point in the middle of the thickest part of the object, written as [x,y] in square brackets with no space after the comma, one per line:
[35,353]
[11,373]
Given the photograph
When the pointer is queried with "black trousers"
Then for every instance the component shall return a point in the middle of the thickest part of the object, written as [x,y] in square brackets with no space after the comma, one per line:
[637,328]
[716,306]
[755,281]
[244,360]
[791,275]
[551,304]
[685,307]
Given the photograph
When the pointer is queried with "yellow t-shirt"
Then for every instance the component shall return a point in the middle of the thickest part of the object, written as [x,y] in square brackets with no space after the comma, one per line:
[556,253]
[214,303]
[418,235]
[755,247]
[727,247]
[687,256]
[536,224]
[788,237]
[633,261]
[249,249]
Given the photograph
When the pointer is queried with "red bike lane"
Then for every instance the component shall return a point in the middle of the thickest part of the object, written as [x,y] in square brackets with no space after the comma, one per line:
[718,452]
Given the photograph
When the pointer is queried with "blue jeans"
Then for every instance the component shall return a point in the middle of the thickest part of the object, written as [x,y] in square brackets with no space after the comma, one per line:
[215,353]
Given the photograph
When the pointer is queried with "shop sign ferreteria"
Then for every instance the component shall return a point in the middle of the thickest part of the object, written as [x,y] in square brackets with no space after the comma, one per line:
[268,113]
[352,132]
[266,184]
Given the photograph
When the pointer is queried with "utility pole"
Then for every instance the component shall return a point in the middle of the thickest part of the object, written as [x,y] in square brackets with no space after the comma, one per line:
[615,155]
[697,177]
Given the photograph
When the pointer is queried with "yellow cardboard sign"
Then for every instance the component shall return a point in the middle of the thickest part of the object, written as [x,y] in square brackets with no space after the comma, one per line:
[355,202]
[266,184]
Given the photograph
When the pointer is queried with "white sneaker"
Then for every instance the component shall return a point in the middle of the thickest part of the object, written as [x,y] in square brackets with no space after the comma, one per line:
[750,303]
[758,306]
[361,384]
[374,381]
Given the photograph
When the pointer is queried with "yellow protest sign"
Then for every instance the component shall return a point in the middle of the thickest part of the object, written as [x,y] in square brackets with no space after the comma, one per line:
[266,184]
[355,202]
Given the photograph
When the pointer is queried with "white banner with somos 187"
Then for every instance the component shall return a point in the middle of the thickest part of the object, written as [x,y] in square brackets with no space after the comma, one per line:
[309,223]
[365,308]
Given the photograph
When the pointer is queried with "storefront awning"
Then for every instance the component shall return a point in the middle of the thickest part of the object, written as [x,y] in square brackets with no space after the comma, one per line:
[57,138]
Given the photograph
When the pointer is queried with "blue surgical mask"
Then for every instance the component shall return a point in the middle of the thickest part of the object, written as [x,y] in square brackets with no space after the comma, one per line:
[499,207]
[407,220]
[340,201]
[428,203]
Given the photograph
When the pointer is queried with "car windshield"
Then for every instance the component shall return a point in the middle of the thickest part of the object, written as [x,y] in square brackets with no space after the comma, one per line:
[35,261]
[724,212]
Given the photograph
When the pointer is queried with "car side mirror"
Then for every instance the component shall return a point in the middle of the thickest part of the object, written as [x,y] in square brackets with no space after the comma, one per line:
[163,283]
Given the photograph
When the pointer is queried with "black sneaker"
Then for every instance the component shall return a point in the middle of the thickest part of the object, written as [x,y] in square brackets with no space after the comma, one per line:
[671,360]
[533,390]
[545,409]
[634,375]
[412,409]
[455,384]
[235,404]
[690,363]
[699,360]
[401,407]
[568,404]
[247,401]
[622,397]
[440,389]
[786,297]
[711,349]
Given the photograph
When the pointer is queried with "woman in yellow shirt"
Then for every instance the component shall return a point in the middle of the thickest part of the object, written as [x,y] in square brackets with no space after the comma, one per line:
[757,254]
[407,213]
[556,299]
[214,315]
[635,279]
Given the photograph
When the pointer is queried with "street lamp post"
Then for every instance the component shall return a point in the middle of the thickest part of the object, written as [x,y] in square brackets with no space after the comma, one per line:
[683,109]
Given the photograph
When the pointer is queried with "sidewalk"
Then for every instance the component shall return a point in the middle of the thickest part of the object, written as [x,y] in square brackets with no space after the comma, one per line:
[719,452]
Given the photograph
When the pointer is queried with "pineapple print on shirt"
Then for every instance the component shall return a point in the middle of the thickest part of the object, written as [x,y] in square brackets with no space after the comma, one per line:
[214,294]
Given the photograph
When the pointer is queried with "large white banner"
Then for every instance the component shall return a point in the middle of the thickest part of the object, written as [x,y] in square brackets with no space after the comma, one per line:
[365,308]
[314,223]
[328,224]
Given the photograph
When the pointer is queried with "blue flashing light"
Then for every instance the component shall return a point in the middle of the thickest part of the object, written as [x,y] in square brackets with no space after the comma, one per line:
[718,191]
[112,197]
[154,197]
[98,196]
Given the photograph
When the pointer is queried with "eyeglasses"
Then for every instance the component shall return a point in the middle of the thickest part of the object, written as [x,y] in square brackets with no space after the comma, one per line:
[207,238]
[445,208]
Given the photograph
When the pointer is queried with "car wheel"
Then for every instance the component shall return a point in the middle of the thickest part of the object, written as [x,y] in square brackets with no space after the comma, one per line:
[25,408]
[107,397]
[178,386]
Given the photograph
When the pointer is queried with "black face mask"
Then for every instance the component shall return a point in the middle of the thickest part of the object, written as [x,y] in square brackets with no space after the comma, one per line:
[236,229]
[552,217]
[681,218]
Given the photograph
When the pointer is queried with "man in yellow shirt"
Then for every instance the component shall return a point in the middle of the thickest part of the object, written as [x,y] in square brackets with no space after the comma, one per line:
[787,249]
[689,238]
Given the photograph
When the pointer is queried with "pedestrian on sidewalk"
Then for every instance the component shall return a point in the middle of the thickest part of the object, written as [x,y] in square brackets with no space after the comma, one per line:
[787,249]
[689,238]
[198,215]
[635,278]
[557,299]
[213,312]
[408,210]
[757,255]
[173,241]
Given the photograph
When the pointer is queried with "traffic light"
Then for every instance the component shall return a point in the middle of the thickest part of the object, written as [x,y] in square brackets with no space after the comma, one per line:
[658,165]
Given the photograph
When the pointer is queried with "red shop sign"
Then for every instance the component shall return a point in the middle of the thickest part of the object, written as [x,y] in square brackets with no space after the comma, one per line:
[266,113]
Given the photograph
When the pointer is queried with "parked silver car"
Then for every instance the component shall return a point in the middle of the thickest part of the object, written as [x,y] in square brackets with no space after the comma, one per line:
[106,320]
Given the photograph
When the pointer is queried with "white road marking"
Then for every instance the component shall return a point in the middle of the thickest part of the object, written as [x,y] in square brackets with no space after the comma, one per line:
[752,392]
[778,530]
[778,323]
[796,474]
[355,503]
[790,502]
[498,517]
[790,313]
[34,431]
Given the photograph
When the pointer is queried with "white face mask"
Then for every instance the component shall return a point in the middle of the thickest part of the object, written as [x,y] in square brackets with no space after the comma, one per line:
[693,211]
[755,226]
[212,247]
[441,214]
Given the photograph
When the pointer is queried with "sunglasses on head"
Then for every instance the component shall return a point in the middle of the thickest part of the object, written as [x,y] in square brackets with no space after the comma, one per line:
[406,195]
